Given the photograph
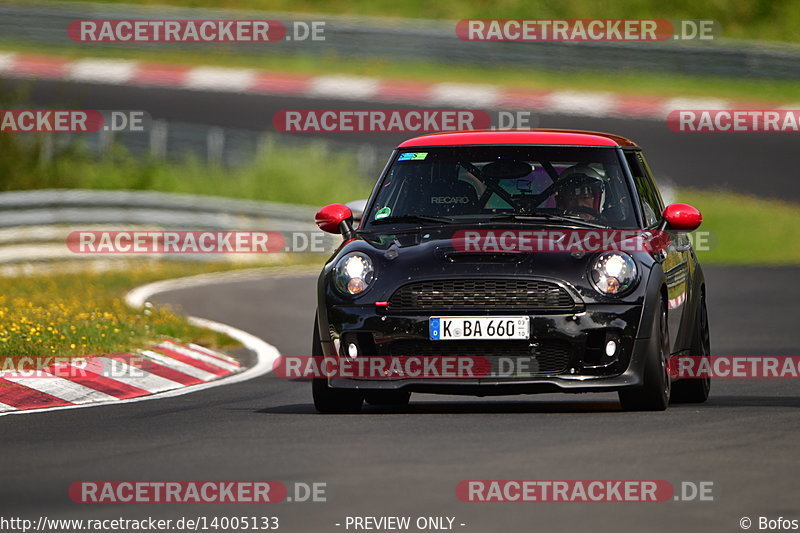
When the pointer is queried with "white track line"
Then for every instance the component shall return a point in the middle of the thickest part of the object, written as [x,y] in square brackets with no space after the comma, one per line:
[220,79]
[213,361]
[348,87]
[178,366]
[217,355]
[6,62]
[114,71]
[581,103]
[139,296]
[465,94]
[695,103]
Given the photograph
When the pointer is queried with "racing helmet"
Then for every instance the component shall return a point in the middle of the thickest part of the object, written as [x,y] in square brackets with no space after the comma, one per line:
[580,181]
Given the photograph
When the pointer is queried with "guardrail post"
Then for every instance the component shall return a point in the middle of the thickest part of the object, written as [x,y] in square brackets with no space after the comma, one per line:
[215,145]
[158,139]
[46,148]
[105,138]
[367,157]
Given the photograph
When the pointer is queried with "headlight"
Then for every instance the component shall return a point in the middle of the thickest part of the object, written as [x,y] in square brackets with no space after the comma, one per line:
[613,273]
[353,273]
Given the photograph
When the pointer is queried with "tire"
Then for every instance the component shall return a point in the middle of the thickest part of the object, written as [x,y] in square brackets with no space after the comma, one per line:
[395,398]
[696,390]
[326,399]
[654,394]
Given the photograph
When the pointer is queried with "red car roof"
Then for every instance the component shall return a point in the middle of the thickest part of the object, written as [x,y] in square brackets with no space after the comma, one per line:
[499,137]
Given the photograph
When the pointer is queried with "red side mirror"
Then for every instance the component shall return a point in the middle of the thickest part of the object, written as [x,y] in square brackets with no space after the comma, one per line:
[330,217]
[682,217]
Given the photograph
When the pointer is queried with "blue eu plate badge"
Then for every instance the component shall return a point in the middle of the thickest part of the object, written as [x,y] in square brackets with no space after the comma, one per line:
[434,328]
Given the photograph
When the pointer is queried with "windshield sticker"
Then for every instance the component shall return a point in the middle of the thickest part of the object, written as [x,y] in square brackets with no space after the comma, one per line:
[383,213]
[413,156]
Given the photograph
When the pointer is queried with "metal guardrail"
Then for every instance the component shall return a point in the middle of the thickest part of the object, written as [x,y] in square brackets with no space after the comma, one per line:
[422,40]
[79,206]
[34,225]
[230,147]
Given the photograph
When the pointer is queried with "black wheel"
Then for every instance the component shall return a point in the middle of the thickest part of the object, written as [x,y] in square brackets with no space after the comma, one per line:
[695,390]
[655,392]
[326,399]
[387,397]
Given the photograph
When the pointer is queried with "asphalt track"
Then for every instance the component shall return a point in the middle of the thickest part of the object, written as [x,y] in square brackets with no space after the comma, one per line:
[408,462]
[761,164]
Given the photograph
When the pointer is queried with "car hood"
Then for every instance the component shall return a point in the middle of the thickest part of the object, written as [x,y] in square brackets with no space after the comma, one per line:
[433,253]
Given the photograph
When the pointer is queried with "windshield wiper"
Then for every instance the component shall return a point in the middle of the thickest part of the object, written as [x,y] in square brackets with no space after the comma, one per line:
[547,217]
[413,218]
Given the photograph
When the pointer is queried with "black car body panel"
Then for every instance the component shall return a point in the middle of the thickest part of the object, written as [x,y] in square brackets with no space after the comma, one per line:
[566,338]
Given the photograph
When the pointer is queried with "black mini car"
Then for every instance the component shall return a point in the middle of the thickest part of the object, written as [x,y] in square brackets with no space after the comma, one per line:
[540,255]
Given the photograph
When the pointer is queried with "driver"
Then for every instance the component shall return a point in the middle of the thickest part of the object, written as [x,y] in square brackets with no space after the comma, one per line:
[580,191]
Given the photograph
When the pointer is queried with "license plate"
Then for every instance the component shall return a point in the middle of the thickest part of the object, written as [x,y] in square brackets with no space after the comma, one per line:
[479,328]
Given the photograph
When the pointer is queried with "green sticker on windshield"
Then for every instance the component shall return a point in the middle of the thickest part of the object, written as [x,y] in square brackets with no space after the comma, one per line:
[413,156]
[383,213]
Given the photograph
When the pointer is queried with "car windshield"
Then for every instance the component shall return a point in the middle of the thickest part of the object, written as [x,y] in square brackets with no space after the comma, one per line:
[527,183]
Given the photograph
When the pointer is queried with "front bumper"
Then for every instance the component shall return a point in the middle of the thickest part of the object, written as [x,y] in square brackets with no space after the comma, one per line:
[568,350]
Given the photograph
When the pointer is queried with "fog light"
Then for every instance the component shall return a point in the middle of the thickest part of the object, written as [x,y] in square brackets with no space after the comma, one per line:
[611,348]
[352,350]
[355,285]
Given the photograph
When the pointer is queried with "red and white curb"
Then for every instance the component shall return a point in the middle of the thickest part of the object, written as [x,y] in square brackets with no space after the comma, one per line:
[166,370]
[676,302]
[92,379]
[362,89]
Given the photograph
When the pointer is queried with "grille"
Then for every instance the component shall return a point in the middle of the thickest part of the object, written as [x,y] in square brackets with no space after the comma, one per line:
[548,358]
[512,294]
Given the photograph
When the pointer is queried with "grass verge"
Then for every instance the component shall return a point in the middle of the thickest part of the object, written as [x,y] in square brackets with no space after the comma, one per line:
[311,175]
[746,230]
[77,314]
